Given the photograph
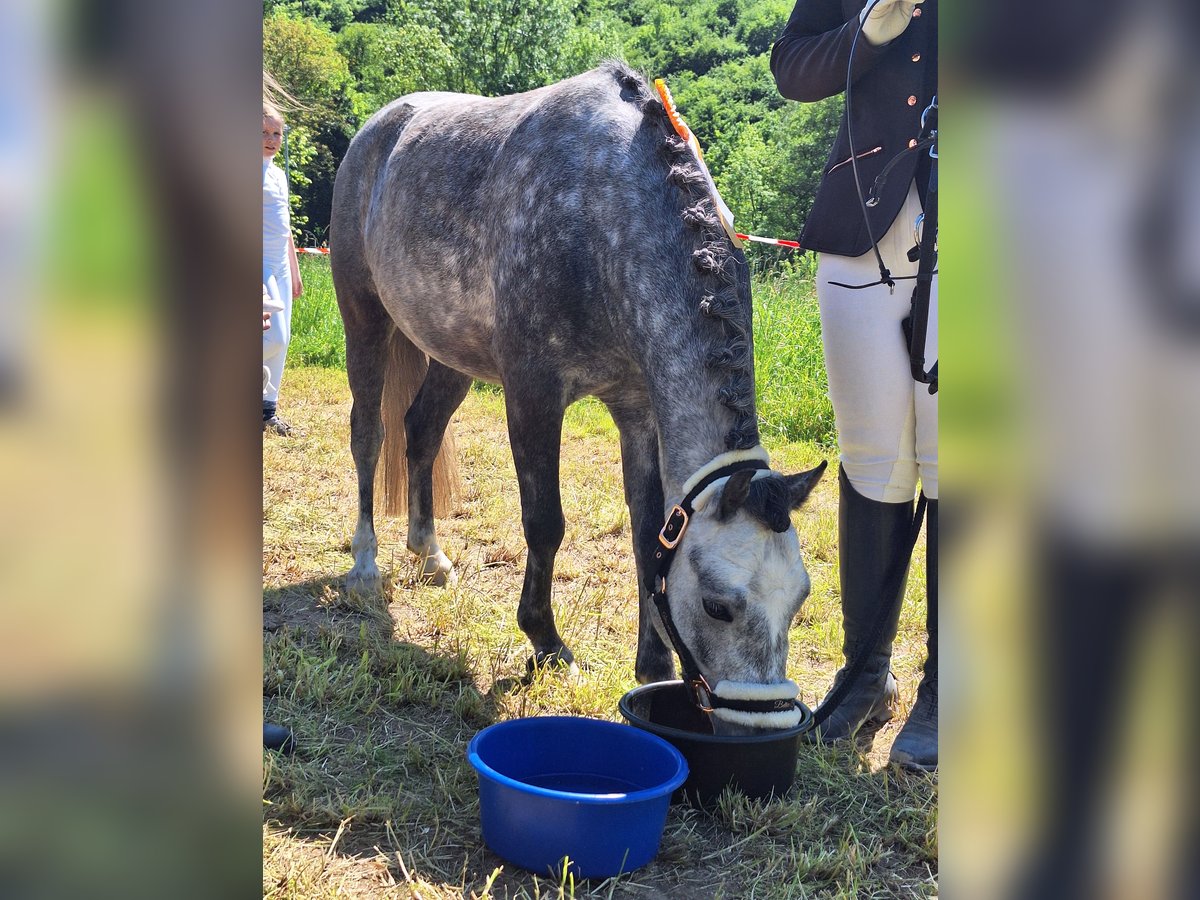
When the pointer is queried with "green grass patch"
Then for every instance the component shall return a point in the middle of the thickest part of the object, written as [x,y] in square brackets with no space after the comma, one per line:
[318,338]
[791,388]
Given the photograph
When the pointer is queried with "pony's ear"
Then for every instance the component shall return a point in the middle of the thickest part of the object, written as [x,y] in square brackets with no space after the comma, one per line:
[768,502]
[801,484]
[733,495]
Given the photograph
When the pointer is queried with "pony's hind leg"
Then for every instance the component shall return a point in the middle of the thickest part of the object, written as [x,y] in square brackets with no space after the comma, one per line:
[368,333]
[535,416]
[425,423]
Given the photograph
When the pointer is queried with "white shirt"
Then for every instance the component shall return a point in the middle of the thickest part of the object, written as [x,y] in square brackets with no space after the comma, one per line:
[276,218]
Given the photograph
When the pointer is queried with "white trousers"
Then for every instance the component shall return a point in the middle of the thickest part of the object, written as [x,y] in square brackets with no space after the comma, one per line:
[276,338]
[886,421]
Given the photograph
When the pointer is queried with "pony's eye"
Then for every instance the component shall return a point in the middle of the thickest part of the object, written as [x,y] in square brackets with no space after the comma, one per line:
[717,610]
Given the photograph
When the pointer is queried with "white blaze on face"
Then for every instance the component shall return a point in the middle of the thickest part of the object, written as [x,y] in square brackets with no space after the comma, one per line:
[737,583]
[745,569]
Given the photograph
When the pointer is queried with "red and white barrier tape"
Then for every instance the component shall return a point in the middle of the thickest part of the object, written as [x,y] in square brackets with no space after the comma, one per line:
[324,251]
[776,241]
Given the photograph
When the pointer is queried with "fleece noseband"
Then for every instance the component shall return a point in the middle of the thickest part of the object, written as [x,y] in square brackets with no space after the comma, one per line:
[756,705]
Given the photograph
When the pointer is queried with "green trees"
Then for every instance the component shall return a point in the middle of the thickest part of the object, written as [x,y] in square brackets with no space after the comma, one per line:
[502,47]
[344,59]
[388,61]
[303,55]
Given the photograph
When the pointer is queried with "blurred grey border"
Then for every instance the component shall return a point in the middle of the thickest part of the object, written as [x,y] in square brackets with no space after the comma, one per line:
[1071,430]
[130,549]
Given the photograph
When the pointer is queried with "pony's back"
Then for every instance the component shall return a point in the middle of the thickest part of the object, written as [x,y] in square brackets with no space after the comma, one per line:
[458,208]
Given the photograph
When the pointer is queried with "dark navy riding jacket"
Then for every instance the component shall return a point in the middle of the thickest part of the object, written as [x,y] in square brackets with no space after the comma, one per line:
[891,87]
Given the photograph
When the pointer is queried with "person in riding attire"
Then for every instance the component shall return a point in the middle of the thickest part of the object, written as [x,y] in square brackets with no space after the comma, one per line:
[886,420]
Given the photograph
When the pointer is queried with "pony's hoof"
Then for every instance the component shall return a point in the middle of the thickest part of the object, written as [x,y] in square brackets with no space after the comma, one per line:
[364,580]
[438,571]
[557,660]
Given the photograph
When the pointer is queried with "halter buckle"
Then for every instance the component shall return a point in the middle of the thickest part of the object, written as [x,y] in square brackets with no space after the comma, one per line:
[701,693]
[676,523]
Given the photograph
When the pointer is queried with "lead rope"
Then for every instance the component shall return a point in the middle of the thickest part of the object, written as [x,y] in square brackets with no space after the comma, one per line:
[924,140]
[885,276]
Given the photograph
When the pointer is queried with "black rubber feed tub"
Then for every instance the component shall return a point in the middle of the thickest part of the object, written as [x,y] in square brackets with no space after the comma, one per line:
[759,765]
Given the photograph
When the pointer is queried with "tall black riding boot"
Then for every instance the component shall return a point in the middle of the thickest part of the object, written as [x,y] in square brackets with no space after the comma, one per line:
[916,746]
[873,541]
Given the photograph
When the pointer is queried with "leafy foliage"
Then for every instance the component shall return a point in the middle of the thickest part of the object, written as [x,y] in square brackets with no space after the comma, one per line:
[388,61]
[303,54]
[337,14]
[502,47]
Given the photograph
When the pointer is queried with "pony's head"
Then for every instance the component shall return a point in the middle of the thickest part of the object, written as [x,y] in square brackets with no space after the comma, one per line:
[735,585]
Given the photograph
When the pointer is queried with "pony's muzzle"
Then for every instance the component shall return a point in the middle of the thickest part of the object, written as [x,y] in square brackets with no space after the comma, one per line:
[735,721]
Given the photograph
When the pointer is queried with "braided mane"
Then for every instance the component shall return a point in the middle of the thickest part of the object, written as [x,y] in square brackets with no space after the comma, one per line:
[714,258]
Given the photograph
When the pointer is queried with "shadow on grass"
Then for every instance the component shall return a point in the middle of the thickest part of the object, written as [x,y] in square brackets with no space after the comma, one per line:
[381,725]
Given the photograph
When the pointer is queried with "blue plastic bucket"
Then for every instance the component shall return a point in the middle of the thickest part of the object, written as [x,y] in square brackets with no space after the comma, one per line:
[593,791]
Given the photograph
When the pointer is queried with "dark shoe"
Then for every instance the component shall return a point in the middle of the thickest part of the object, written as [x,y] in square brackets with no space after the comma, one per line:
[873,541]
[276,737]
[916,746]
[278,426]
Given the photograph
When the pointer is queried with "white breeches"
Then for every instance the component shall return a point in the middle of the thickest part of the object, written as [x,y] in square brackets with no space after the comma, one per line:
[276,338]
[886,421]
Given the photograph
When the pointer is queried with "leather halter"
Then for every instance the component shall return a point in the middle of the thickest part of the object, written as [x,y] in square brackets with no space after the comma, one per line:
[668,542]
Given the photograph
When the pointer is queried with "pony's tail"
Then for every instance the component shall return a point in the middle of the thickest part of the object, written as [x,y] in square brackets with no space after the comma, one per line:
[403,376]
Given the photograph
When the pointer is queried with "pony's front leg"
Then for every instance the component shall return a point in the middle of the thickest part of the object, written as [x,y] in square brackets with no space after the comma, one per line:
[644,496]
[535,416]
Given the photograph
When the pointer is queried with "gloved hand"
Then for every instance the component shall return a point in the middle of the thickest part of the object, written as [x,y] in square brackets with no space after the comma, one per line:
[886,20]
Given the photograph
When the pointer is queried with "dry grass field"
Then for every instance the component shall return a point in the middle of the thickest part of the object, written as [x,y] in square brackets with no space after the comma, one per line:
[383,694]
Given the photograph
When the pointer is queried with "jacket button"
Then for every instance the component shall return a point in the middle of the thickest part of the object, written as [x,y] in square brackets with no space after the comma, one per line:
[916,57]
[917,13]
[912,100]
[912,143]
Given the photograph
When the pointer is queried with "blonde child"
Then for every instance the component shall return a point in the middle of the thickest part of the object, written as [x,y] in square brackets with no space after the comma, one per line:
[281,270]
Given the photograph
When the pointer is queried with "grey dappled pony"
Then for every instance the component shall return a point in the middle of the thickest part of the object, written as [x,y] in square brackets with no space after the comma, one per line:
[562,243]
